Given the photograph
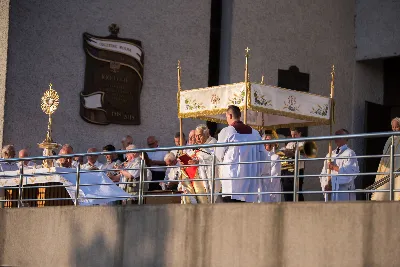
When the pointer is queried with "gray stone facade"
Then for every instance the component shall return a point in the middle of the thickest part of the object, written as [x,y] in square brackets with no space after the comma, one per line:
[45,45]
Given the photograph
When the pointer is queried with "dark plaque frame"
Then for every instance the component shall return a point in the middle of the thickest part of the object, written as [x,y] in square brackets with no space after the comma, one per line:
[295,80]
[113,79]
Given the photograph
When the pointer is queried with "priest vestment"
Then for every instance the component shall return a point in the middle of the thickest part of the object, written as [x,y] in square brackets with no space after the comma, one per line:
[232,155]
[384,166]
[341,182]
[271,169]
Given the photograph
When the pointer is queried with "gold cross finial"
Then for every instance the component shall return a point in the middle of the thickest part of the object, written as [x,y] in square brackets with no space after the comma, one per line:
[179,64]
[50,85]
[247,50]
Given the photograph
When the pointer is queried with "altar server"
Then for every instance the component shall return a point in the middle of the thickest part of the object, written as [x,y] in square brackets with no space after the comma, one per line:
[237,131]
[271,169]
[340,165]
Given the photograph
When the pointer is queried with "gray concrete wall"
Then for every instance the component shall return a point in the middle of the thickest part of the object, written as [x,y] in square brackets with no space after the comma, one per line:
[368,86]
[45,45]
[312,35]
[377,29]
[302,234]
[4,23]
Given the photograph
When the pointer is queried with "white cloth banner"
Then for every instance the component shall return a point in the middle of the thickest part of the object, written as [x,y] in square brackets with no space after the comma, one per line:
[116,46]
[105,190]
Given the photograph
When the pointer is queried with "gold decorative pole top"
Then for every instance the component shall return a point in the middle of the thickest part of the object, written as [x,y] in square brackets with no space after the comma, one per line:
[49,104]
[50,101]
[262,79]
[179,75]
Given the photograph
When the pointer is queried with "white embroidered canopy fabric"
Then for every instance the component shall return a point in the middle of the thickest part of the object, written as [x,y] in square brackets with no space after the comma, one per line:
[102,192]
[268,106]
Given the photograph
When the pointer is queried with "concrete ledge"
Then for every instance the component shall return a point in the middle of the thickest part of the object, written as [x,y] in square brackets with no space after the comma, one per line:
[286,234]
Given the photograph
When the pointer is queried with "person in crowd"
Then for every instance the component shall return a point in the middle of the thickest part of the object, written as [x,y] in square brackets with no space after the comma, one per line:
[204,157]
[171,174]
[341,166]
[126,141]
[8,152]
[69,150]
[112,163]
[202,135]
[156,159]
[232,156]
[23,153]
[192,137]
[384,165]
[177,137]
[64,162]
[129,175]
[287,182]
[272,170]
[92,163]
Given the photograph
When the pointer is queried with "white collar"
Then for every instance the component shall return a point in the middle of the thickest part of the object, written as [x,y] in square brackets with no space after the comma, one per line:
[342,148]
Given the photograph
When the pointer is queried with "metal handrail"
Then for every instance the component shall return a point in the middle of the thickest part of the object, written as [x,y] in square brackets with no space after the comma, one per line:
[140,194]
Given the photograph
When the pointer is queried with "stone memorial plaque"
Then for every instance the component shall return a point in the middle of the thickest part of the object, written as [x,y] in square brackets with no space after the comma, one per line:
[113,79]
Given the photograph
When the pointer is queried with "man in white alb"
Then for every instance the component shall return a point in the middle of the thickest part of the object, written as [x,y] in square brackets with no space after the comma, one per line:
[271,169]
[340,164]
[237,131]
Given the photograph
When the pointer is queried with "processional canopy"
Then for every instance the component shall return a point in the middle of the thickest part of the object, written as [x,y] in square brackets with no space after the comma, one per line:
[266,106]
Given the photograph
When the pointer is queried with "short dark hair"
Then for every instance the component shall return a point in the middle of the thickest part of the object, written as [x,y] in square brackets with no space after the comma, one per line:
[178,135]
[342,132]
[109,148]
[295,130]
[235,111]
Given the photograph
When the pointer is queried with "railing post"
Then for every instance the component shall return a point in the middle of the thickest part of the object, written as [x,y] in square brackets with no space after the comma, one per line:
[212,185]
[21,180]
[141,178]
[391,186]
[78,181]
[296,173]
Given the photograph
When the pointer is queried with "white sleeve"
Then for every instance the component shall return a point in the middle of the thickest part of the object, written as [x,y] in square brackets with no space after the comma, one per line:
[350,166]
[324,179]
[223,137]
[275,168]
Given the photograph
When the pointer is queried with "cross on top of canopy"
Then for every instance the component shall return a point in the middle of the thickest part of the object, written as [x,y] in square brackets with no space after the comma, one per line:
[263,106]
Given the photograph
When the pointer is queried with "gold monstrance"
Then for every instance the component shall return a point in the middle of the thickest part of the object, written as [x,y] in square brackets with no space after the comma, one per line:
[49,104]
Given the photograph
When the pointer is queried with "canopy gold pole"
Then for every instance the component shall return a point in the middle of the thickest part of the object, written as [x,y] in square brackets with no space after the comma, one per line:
[247,89]
[178,98]
[332,114]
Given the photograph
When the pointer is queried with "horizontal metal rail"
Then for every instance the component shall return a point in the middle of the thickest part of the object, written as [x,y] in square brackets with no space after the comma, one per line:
[25,173]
